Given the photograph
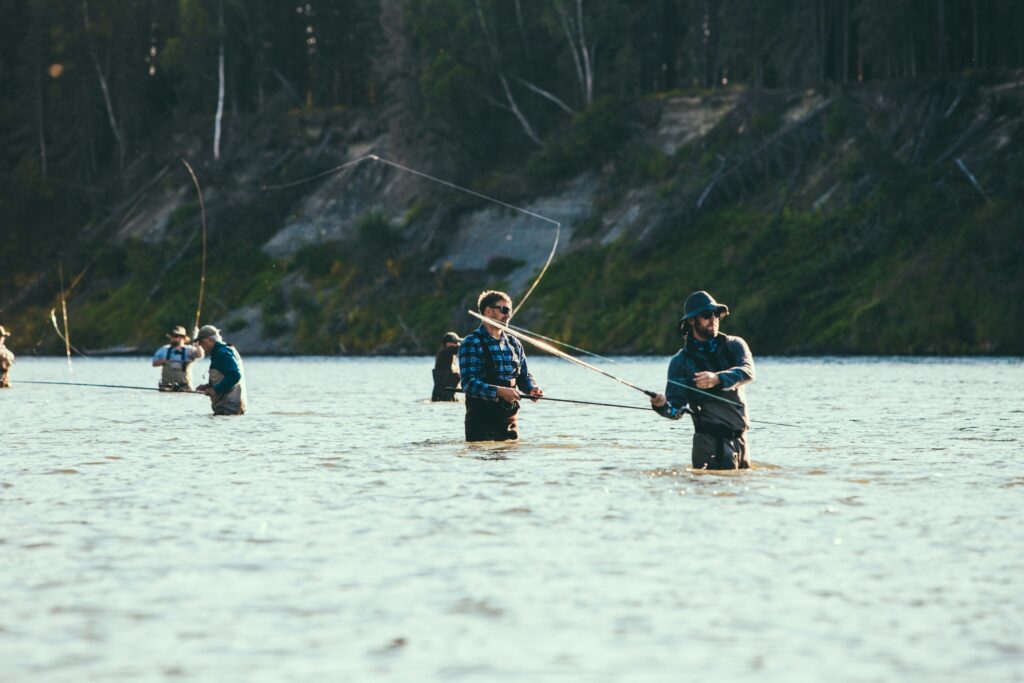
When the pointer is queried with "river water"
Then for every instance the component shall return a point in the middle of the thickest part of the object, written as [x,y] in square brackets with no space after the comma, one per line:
[342,530]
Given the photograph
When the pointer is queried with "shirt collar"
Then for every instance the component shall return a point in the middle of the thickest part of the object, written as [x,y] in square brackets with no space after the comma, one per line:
[487,335]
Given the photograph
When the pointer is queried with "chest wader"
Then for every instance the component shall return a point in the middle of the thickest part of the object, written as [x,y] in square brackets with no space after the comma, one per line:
[231,403]
[492,420]
[445,378]
[442,381]
[176,374]
[719,429]
[6,360]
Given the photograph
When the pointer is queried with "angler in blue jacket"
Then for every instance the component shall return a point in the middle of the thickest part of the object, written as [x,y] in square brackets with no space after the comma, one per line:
[717,366]
[226,388]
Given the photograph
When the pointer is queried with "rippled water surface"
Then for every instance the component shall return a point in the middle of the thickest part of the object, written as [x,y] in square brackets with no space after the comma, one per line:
[343,531]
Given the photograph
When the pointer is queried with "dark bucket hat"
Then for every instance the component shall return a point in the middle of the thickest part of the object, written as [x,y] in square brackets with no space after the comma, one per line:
[701,302]
[451,337]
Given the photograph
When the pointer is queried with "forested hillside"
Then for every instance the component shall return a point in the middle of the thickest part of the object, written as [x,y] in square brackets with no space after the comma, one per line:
[846,174]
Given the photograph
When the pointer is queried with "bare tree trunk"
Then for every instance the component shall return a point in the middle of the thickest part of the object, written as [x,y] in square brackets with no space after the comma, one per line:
[220,88]
[40,123]
[585,53]
[846,42]
[514,108]
[522,32]
[711,43]
[549,96]
[511,105]
[822,41]
[572,46]
[103,85]
[940,47]
[578,48]
[40,115]
[974,34]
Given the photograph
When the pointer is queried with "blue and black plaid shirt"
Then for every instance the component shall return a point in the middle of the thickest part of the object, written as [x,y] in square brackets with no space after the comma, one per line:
[508,356]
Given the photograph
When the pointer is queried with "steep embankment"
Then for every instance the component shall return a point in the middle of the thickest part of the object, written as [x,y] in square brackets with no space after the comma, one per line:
[882,219]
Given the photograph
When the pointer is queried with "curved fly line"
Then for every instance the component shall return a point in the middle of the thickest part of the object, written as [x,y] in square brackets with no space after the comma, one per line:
[454,186]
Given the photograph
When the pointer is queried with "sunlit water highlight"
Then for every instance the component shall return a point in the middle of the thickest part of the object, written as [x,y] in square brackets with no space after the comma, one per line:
[343,531]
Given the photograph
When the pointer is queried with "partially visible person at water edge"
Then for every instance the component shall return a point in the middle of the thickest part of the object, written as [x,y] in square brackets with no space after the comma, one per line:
[494,374]
[718,365]
[175,360]
[6,359]
[446,369]
[226,387]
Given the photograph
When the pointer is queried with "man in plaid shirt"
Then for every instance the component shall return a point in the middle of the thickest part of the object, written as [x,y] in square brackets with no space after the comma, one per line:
[494,374]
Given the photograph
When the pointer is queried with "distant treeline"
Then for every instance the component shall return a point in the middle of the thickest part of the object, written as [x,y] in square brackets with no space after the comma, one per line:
[89,86]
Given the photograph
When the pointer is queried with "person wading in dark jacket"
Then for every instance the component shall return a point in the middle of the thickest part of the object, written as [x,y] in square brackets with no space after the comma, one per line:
[717,364]
[226,387]
[494,374]
[446,372]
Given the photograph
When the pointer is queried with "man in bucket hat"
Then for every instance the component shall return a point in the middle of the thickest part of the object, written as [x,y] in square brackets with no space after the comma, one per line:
[6,359]
[227,383]
[175,360]
[705,380]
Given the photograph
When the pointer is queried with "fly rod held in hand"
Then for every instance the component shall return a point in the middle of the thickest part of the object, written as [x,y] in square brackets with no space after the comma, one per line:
[566,400]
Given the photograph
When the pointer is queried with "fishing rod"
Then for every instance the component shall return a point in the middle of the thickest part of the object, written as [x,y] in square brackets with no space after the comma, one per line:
[64,309]
[56,327]
[562,343]
[524,335]
[556,352]
[561,354]
[136,200]
[612,360]
[567,400]
[105,386]
[406,169]
[202,223]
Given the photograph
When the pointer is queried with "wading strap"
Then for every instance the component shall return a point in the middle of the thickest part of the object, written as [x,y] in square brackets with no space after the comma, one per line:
[491,372]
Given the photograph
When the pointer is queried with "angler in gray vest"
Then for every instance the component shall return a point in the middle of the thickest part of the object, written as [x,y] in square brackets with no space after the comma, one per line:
[705,381]
[175,361]
[226,388]
[6,359]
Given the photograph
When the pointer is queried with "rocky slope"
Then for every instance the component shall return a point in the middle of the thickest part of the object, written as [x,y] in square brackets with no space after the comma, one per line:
[882,219]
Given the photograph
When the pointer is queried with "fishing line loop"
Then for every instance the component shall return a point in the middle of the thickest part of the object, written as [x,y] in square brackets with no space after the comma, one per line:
[446,183]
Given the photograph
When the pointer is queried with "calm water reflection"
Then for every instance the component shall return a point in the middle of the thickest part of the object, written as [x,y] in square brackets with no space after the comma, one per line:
[342,530]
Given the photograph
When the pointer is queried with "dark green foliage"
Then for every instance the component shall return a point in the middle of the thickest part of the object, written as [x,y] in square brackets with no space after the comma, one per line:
[503,265]
[375,232]
[512,99]
[590,137]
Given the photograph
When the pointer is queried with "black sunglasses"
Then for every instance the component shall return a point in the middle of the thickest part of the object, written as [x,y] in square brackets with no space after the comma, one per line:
[708,315]
[507,310]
